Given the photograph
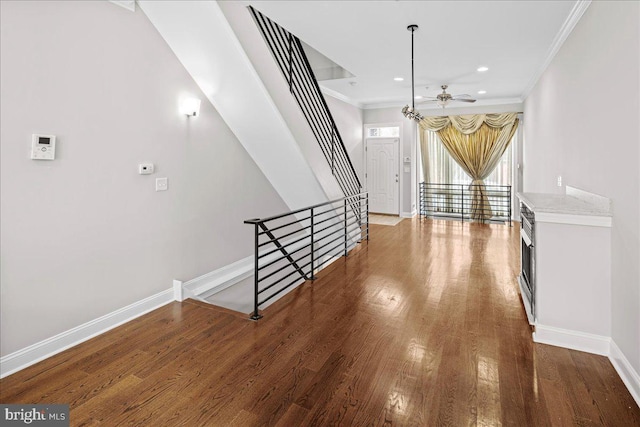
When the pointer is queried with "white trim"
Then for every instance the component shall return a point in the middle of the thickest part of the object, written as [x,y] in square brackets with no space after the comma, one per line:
[574,16]
[127,4]
[427,107]
[558,218]
[337,95]
[178,294]
[220,279]
[27,356]
[629,376]
[575,340]
[409,214]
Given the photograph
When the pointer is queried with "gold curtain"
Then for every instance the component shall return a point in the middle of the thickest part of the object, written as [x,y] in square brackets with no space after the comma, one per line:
[476,143]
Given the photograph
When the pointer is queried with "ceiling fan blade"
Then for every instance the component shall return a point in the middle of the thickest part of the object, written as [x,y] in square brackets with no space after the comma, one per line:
[463,99]
[462,95]
[425,101]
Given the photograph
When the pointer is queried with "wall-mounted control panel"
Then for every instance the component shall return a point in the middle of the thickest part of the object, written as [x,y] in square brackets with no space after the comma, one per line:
[43,147]
[145,168]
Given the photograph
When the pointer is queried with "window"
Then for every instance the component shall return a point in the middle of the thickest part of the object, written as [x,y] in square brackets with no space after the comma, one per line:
[383,132]
[442,169]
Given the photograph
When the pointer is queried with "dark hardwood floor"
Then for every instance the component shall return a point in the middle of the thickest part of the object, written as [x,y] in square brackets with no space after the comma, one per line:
[422,326]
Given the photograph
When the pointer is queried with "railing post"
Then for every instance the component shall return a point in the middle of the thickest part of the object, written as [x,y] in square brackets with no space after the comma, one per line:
[255,315]
[313,275]
[345,227]
[509,198]
[333,149]
[367,199]
[462,204]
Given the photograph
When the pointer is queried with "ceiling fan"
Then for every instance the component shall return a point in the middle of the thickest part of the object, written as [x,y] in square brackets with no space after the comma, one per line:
[444,98]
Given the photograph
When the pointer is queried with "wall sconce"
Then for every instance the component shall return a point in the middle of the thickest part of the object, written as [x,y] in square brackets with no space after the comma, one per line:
[190,107]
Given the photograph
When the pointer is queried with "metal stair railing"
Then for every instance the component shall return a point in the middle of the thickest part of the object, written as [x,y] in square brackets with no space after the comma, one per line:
[288,52]
[289,248]
[452,201]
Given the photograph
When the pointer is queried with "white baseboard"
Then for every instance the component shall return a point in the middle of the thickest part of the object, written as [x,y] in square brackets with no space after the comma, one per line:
[590,343]
[28,356]
[219,280]
[409,214]
[629,376]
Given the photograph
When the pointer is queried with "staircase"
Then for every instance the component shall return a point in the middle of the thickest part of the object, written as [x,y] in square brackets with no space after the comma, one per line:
[288,52]
[284,124]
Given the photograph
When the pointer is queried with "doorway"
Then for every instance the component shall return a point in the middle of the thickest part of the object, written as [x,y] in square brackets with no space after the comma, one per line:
[382,175]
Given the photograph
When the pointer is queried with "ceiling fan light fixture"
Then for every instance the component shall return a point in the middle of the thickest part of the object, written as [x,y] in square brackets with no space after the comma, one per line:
[443,102]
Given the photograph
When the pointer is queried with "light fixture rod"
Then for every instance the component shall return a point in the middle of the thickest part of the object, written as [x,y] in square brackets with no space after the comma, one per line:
[412,28]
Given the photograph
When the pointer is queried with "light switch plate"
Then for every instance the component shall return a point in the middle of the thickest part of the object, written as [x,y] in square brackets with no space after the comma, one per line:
[162,184]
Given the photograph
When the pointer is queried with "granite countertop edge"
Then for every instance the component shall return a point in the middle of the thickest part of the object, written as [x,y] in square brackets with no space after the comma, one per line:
[561,204]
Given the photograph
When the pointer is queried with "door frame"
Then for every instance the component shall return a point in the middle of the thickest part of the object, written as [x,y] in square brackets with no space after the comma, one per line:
[400,153]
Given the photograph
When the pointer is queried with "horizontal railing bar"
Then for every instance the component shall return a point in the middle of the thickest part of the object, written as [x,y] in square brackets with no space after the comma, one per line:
[283,277]
[272,262]
[341,236]
[271,218]
[277,292]
[278,238]
[282,258]
[338,252]
[284,247]
[272,229]
[274,284]
[339,227]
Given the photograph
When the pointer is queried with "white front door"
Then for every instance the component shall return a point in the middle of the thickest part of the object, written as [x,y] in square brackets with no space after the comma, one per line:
[382,175]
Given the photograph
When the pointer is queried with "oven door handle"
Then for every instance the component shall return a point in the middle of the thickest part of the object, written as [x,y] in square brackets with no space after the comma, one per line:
[525,238]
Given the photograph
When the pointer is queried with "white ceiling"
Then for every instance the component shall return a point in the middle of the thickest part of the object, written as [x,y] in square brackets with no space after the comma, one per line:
[515,39]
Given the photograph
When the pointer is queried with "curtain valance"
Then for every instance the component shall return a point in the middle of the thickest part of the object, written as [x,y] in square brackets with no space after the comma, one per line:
[468,124]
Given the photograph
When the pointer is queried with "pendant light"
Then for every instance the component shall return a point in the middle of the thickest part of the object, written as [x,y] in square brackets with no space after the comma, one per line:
[410,112]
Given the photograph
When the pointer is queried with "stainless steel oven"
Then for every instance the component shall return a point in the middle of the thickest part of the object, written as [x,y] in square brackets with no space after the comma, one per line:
[528,262]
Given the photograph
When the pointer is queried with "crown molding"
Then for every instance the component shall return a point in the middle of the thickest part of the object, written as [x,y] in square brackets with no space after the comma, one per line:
[337,95]
[434,107]
[574,16]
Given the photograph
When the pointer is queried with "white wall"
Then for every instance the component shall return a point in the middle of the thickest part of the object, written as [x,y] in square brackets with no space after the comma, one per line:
[349,120]
[582,123]
[266,68]
[408,132]
[85,235]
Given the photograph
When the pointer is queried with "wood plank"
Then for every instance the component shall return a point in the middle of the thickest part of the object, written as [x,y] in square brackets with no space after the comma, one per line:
[421,326]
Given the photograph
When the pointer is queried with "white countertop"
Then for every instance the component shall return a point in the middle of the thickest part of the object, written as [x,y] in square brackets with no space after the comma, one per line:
[567,209]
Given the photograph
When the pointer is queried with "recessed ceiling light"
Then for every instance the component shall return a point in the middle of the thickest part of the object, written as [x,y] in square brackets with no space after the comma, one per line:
[482,92]
[483,69]
[418,97]
[398,79]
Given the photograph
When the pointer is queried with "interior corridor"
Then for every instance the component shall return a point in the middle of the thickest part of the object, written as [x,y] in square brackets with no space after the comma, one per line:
[420,326]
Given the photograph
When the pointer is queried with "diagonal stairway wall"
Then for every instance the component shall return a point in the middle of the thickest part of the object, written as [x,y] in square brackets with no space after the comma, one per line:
[246,89]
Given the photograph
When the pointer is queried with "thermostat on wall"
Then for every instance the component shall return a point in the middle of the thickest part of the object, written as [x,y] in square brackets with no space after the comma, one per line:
[43,147]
